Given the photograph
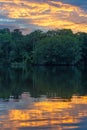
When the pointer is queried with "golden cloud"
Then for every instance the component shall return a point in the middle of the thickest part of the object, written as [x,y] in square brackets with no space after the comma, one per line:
[46,15]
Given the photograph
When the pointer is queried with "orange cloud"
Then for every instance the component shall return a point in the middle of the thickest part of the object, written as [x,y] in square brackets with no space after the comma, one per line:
[46,15]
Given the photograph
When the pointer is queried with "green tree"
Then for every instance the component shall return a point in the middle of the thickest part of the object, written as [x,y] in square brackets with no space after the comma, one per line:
[58,50]
[83,39]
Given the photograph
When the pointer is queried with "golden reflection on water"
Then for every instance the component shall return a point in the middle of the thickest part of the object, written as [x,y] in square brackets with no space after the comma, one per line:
[56,114]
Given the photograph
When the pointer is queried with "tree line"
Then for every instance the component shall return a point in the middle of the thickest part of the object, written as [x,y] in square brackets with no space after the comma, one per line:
[54,47]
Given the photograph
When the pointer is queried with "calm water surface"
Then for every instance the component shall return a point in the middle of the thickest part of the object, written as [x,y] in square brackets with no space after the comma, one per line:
[53,98]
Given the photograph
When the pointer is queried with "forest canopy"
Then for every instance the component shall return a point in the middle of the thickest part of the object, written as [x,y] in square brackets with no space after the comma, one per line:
[54,47]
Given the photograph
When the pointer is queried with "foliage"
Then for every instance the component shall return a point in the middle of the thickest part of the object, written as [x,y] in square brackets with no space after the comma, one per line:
[54,47]
[61,50]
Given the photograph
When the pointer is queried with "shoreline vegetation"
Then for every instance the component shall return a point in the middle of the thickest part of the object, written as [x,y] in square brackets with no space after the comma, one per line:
[51,48]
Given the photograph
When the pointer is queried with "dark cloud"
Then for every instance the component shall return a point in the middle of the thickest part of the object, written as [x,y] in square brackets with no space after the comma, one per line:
[80,3]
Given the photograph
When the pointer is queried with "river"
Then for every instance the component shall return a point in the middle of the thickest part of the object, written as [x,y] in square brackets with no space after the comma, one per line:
[43,98]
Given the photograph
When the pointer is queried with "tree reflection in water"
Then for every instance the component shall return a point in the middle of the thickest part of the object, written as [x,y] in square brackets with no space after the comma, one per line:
[44,98]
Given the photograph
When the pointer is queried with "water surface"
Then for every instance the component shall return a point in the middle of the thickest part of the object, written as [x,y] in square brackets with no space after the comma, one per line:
[53,98]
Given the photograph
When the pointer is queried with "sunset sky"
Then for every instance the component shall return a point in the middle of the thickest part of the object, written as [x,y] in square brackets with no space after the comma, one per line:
[30,15]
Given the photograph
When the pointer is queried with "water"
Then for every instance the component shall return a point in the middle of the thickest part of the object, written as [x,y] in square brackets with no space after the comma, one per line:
[53,98]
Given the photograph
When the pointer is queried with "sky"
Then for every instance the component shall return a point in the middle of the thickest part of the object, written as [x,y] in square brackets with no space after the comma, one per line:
[30,15]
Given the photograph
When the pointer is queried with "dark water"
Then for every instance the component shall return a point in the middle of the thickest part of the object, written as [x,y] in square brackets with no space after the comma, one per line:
[53,98]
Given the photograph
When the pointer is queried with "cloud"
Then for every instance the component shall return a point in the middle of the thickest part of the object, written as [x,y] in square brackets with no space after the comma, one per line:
[42,14]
